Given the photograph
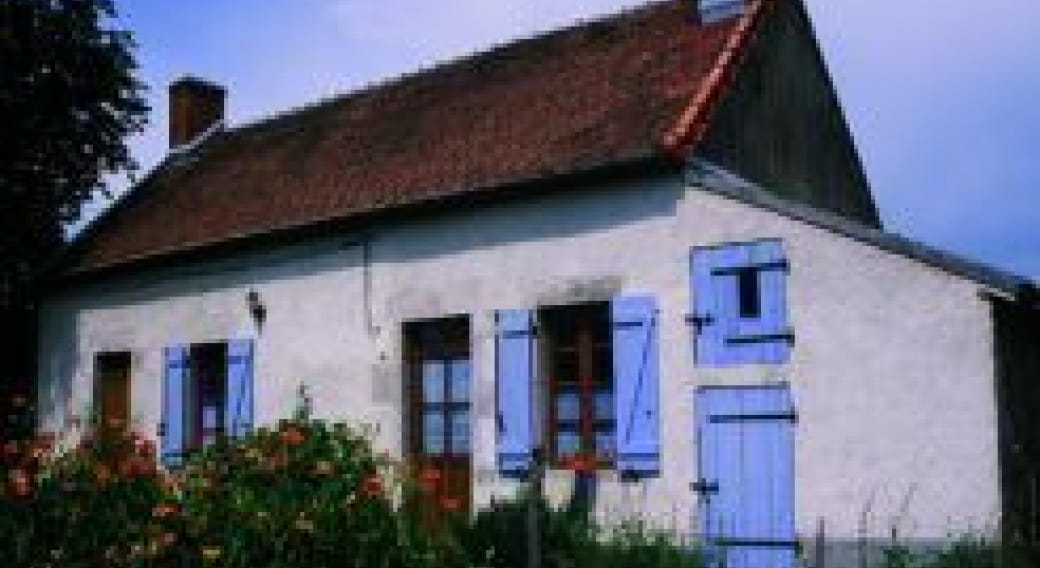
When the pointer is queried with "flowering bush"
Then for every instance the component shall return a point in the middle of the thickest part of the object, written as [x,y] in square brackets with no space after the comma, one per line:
[497,538]
[302,494]
[87,506]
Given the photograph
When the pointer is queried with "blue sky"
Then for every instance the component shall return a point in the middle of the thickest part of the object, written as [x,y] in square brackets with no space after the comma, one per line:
[942,95]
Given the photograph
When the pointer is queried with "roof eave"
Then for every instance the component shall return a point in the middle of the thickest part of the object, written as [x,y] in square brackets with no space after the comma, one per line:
[702,174]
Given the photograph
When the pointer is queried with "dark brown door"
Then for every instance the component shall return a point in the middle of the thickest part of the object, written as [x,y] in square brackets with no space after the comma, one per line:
[438,375]
[113,389]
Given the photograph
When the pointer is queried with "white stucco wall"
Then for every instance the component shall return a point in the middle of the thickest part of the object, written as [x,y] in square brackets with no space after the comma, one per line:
[892,369]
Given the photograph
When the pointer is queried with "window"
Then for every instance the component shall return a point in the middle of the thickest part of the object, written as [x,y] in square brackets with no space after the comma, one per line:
[593,372]
[112,389]
[438,383]
[580,377]
[207,394]
[739,296]
[749,295]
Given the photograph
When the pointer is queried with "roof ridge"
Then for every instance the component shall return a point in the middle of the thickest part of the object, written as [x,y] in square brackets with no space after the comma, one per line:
[451,63]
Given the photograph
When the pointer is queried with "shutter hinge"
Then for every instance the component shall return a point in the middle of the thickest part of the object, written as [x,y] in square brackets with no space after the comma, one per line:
[761,266]
[699,321]
[787,336]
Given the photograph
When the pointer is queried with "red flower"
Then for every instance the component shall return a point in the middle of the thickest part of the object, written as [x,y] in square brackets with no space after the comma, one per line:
[428,479]
[372,487]
[11,448]
[102,475]
[164,510]
[21,485]
[580,463]
[293,437]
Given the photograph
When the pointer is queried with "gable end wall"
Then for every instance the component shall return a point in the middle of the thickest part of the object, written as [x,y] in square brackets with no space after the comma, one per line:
[781,124]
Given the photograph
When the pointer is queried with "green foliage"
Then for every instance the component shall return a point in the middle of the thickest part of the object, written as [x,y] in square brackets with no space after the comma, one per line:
[303,493]
[497,538]
[88,506]
[967,552]
[69,98]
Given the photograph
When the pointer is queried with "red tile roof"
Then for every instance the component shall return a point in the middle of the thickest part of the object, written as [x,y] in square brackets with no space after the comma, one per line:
[627,87]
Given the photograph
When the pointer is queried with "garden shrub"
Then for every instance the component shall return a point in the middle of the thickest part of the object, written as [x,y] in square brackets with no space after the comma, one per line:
[303,493]
[91,505]
[965,552]
[497,538]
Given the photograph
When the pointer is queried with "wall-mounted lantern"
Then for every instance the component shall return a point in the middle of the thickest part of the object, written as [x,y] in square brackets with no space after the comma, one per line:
[257,309]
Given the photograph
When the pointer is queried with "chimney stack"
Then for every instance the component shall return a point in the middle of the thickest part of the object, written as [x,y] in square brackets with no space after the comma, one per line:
[195,106]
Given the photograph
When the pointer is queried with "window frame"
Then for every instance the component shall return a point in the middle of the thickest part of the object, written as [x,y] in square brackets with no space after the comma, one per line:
[445,340]
[106,362]
[591,319]
[205,357]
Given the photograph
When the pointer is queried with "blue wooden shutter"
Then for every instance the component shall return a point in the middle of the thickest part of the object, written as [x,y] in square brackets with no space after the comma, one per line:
[515,377]
[636,377]
[772,277]
[746,456]
[238,416]
[175,376]
[724,337]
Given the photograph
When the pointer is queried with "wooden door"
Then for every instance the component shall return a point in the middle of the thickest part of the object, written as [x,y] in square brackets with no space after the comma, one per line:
[112,376]
[746,486]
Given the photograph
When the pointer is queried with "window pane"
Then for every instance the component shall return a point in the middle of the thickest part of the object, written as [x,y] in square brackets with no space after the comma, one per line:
[567,407]
[433,432]
[604,362]
[433,381]
[603,405]
[567,443]
[459,380]
[748,293]
[565,366]
[605,443]
[210,424]
[460,432]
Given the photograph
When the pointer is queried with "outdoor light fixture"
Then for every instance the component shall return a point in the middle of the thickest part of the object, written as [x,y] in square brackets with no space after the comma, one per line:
[257,309]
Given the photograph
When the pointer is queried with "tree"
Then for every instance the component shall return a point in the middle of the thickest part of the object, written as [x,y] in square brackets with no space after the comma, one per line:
[69,98]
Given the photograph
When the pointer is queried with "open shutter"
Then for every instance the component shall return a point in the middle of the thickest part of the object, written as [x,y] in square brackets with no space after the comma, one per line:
[238,415]
[175,376]
[636,377]
[515,373]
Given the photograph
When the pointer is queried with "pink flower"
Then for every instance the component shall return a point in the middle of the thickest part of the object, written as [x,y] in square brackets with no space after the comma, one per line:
[451,504]
[164,510]
[293,437]
[21,484]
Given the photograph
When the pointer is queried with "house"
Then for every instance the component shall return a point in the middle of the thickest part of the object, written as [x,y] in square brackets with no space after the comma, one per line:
[643,246]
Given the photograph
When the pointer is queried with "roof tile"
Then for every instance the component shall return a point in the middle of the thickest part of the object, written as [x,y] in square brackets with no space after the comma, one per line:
[595,93]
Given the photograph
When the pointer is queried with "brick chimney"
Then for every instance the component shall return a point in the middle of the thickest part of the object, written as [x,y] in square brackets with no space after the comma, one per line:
[195,106]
